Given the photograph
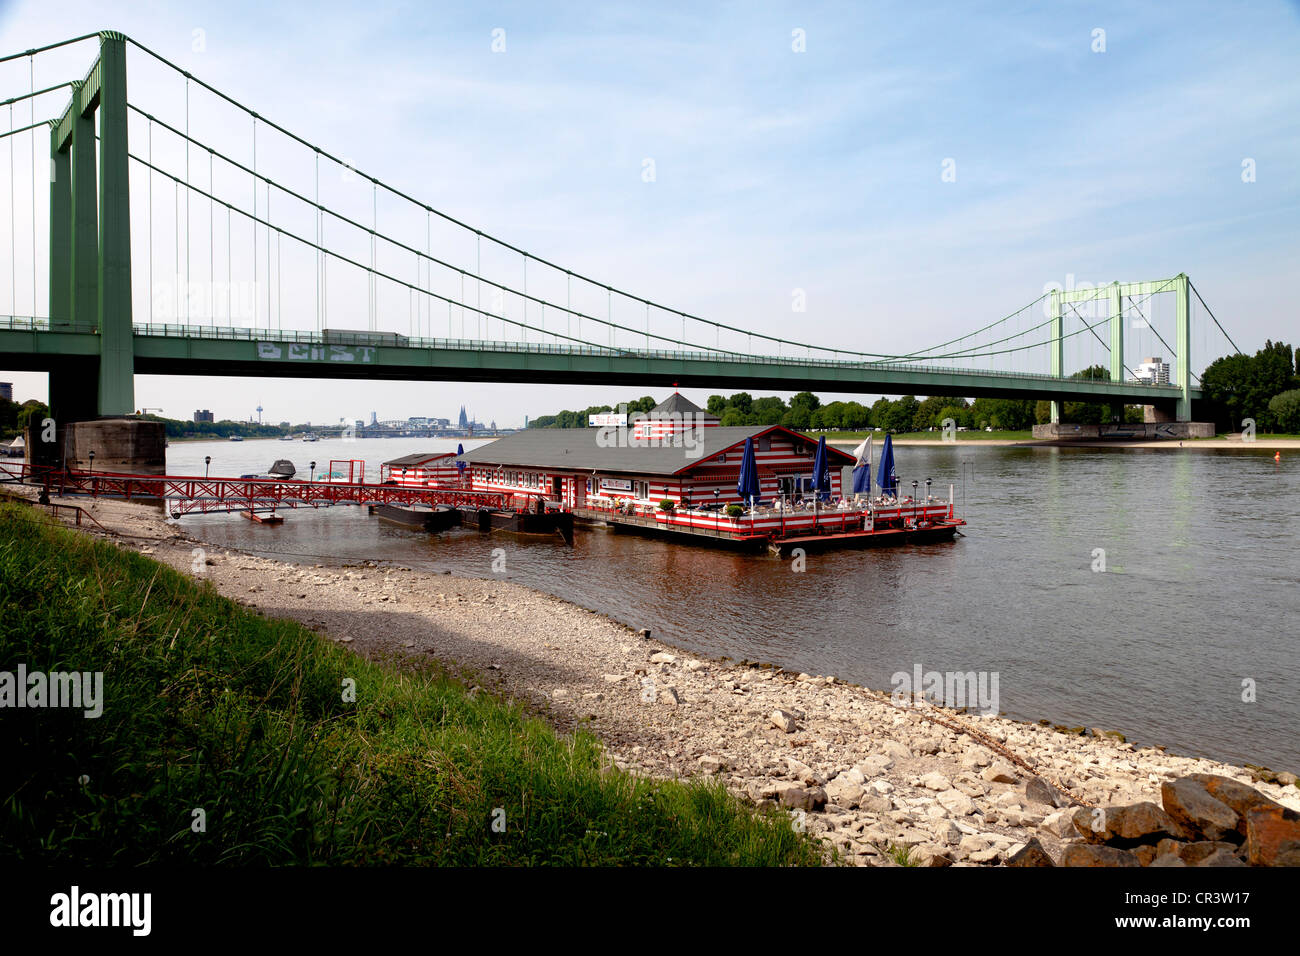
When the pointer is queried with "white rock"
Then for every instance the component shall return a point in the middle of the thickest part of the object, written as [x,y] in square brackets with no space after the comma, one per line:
[956,803]
[936,781]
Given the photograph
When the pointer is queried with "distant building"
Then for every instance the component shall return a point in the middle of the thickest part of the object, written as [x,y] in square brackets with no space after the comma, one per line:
[202,415]
[7,390]
[1153,371]
[464,418]
[374,418]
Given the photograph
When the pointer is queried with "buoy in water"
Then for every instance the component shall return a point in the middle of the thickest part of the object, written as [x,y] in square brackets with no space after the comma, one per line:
[1277,456]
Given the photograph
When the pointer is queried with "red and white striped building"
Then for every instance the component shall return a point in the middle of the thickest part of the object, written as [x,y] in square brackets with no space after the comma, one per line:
[424,470]
[676,455]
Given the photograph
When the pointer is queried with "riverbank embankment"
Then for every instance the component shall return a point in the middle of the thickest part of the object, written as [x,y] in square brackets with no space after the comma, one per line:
[879,781]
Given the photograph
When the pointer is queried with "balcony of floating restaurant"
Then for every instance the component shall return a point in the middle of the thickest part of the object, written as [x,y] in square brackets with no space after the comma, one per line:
[678,453]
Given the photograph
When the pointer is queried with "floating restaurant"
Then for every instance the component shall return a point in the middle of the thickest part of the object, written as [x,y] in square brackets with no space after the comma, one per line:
[677,471]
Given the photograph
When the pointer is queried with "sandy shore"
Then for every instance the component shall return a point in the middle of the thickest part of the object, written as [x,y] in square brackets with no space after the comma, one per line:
[854,769]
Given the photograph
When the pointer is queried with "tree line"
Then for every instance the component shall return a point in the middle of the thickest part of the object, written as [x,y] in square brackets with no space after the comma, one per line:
[1264,387]
[14,416]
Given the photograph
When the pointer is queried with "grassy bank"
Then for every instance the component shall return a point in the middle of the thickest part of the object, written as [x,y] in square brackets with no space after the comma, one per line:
[208,705]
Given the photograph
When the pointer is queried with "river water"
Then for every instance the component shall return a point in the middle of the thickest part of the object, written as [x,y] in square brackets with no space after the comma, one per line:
[1196,607]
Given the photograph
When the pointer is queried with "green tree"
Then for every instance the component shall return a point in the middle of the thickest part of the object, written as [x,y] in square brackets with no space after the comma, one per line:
[901,414]
[806,400]
[741,402]
[1284,408]
[1237,387]
[768,410]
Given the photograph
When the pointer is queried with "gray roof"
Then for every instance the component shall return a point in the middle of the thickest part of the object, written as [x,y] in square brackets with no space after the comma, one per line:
[576,449]
[419,458]
[678,405]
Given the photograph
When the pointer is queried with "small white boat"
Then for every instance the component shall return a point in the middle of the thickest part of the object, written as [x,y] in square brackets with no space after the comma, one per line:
[236,437]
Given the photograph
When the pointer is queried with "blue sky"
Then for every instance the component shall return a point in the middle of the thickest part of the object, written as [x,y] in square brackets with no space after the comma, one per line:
[775,170]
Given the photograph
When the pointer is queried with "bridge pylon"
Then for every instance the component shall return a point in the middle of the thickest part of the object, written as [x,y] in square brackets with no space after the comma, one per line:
[1115,295]
[90,240]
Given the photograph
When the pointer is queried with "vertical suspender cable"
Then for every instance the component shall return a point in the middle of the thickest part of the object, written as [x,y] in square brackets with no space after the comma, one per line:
[318,243]
[187,199]
[31,77]
[212,240]
[176,250]
[374,224]
[253,223]
[230,286]
[428,268]
[478,274]
[269,227]
[525,298]
[13,238]
[151,219]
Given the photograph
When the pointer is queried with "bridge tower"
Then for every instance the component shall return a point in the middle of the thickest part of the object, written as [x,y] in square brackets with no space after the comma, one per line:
[1115,294]
[90,241]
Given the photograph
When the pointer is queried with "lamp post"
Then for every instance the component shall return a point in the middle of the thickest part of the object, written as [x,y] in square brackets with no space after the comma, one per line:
[914,484]
[92,461]
[716,506]
[311,475]
[927,489]
[207,460]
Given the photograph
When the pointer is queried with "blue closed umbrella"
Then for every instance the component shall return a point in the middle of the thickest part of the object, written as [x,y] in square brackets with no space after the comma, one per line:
[885,476]
[747,486]
[821,471]
[460,450]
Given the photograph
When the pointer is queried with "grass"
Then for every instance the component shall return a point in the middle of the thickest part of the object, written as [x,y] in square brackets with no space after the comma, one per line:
[209,705]
[971,435]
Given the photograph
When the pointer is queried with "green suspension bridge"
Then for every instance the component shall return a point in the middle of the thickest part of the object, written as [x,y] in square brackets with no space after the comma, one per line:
[168,255]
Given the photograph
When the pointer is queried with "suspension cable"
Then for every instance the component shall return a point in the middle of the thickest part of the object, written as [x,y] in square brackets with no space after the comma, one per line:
[1216,321]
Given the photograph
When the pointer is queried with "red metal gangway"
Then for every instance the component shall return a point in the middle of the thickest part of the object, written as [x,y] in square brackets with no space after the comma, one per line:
[185,494]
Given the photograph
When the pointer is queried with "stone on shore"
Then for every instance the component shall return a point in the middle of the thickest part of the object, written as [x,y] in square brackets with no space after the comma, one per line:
[1127,826]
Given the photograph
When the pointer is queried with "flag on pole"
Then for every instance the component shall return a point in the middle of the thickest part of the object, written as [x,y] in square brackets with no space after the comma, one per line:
[862,468]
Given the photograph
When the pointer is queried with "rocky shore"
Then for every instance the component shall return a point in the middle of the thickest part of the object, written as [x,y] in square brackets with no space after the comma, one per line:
[880,783]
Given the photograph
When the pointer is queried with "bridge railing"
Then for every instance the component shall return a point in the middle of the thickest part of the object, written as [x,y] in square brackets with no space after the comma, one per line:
[299,337]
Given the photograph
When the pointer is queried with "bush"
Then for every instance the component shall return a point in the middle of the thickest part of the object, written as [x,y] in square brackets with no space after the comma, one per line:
[735,511]
[667,505]
[1285,409]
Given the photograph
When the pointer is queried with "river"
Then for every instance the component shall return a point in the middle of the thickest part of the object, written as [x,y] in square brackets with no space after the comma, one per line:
[1194,611]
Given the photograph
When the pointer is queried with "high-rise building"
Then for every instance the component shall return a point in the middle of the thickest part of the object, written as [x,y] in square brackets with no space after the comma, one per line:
[1154,371]
[374,418]
[7,390]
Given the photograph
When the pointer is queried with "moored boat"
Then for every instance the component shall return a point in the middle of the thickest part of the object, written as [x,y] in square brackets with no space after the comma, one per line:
[438,518]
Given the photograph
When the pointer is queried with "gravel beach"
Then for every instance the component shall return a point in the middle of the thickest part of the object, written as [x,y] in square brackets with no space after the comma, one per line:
[869,777]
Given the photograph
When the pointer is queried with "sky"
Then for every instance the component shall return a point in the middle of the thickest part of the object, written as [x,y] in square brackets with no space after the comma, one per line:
[906,172]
